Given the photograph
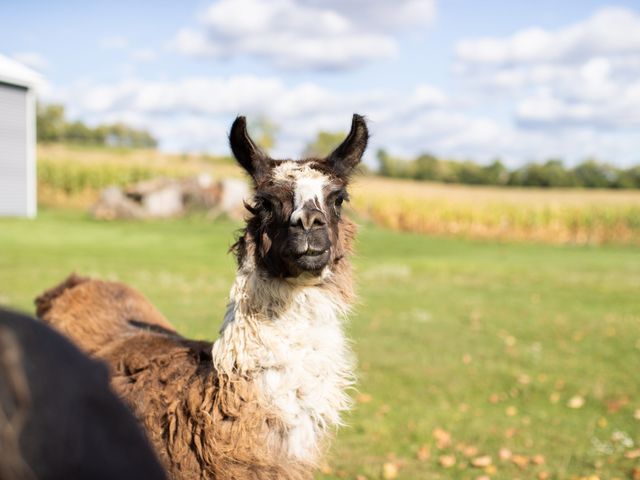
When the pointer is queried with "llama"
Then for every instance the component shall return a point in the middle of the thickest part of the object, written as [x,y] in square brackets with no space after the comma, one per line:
[262,401]
[58,416]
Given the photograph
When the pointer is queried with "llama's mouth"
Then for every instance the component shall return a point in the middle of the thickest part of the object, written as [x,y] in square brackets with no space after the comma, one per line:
[312,260]
[311,252]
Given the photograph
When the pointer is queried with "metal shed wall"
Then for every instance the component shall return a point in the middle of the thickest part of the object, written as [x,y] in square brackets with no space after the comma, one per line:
[17,155]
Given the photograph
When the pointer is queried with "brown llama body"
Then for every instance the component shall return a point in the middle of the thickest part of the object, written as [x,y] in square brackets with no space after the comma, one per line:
[202,425]
[263,399]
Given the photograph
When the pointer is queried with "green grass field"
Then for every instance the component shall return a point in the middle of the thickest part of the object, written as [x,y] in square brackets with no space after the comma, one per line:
[466,348]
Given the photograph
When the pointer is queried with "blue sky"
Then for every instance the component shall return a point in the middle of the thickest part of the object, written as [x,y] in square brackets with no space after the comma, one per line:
[511,79]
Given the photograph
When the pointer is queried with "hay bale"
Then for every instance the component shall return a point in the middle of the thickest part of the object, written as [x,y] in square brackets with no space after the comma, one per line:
[159,197]
[113,203]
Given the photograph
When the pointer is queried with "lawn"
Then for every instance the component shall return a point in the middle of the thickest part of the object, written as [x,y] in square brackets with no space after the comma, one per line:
[526,354]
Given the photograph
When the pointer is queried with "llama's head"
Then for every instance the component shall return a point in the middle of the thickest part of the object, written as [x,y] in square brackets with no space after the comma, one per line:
[296,225]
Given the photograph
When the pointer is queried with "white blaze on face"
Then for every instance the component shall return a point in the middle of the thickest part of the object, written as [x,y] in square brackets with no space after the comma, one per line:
[308,184]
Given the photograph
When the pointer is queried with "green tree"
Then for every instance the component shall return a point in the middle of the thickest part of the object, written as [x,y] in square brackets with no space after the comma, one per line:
[324,144]
[592,174]
[50,122]
[78,132]
[496,173]
[384,167]
[470,173]
[427,167]
[121,135]
[629,178]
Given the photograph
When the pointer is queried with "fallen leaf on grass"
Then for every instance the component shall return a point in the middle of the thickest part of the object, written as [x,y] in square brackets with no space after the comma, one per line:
[490,469]
[483,477]
[504,454]
[632,454]
[389,471]
[636,414]
[537,459]
[423,453]
[635,473]
[575,402]
[524,379]
[543,475]
[554,397]
[520,460]
[364,398]
[447,461]
[614,405]
[442,438]
[469,451]
[511,411]
[481,462]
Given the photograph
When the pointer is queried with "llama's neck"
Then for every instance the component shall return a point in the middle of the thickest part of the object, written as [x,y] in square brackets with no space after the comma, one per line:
[288,338]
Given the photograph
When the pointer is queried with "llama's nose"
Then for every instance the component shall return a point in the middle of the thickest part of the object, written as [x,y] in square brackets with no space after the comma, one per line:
[308,218]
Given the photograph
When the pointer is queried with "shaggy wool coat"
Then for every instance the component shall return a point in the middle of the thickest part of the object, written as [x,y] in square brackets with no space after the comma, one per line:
[224,410]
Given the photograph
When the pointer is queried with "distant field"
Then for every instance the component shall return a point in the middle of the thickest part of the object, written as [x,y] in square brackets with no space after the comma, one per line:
[73,176]
[533,214]
[476,358]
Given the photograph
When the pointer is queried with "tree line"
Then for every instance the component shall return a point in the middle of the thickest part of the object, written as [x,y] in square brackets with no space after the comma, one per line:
[53,127]
[590,173]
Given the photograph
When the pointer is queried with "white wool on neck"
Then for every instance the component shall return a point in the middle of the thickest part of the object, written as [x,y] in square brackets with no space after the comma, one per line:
[287,337]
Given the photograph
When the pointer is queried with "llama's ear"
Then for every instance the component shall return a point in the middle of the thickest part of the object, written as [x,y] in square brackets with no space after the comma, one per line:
[349,153]
[247,153]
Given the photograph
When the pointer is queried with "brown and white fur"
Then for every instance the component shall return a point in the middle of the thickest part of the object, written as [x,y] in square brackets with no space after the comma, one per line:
[261,402]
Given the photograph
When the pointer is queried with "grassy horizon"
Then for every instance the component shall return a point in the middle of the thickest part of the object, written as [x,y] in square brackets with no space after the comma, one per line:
[467,349]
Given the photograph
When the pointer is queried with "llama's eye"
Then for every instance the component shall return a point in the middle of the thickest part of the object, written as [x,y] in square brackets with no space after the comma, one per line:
[337,204]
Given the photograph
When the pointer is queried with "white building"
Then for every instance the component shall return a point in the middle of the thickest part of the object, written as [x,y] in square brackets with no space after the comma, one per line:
[17,139]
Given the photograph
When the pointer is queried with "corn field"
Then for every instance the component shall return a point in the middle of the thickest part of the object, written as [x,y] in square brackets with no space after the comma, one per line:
[549,216]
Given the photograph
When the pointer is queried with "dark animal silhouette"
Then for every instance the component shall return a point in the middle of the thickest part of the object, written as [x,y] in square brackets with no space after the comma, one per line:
[59,418]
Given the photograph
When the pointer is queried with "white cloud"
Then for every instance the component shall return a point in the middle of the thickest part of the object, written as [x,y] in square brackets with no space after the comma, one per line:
[181,112]
[303,34]
[382,14]
[144,55]
[114,42]
[33,60]
[610,31]
[586,74]
[194,114]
